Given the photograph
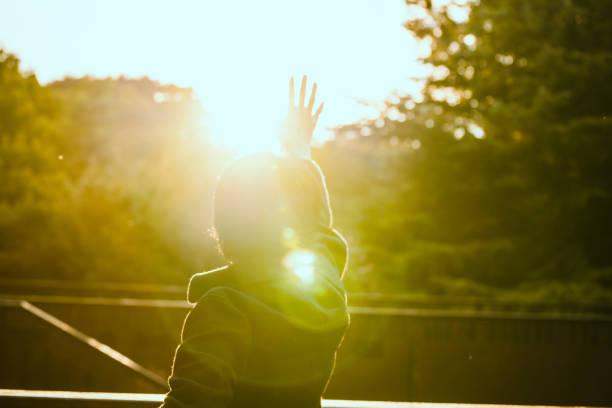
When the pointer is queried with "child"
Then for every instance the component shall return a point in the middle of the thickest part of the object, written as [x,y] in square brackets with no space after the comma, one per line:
[265,329]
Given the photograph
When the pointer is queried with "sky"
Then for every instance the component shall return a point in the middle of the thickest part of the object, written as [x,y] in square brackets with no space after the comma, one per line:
[237,55]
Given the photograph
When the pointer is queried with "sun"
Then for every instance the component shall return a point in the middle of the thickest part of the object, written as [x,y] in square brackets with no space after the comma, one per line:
[246,117]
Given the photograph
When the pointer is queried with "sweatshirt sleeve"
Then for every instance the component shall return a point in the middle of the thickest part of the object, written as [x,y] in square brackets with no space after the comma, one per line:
[304,182]
[215,341]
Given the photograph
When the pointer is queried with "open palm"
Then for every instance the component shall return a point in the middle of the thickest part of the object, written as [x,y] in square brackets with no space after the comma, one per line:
[300,122]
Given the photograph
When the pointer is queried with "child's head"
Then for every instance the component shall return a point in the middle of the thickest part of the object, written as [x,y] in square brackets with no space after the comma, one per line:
[265,205]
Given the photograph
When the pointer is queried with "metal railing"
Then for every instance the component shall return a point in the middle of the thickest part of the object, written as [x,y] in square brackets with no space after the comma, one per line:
[51,399]
[90,341]
[15,299]
[177,292]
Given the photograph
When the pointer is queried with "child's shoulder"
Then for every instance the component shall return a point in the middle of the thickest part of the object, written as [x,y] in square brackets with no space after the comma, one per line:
[232,279]
[202,282]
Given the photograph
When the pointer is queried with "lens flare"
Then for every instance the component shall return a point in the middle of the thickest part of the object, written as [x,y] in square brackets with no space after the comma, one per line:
[300,262]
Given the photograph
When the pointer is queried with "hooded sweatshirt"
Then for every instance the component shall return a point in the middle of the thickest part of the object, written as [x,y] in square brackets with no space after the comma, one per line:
[265,334]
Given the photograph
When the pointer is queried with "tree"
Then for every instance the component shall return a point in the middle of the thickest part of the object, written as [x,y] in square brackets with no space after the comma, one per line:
[103,180]
[501,164]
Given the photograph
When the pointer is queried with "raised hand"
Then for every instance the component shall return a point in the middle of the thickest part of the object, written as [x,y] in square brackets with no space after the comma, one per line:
[299,124]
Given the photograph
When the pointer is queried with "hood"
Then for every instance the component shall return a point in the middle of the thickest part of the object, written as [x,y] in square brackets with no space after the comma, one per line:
[230,276]
[329,244]
[200,283]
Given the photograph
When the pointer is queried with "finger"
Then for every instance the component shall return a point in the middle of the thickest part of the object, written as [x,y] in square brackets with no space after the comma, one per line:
[291,93]
[317,113]
[302,92]
[312,97]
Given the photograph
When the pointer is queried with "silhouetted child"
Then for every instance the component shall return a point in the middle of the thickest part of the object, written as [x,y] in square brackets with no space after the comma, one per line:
[265,329]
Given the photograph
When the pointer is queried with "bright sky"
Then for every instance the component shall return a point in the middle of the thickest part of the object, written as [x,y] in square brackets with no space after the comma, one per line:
[238,55]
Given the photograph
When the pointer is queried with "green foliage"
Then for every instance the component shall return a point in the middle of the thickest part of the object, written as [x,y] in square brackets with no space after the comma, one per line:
[499,178]
[100,181]
[493,183]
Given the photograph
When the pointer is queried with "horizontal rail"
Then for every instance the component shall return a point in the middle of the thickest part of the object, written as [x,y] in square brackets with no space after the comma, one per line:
[14,299]
[94,300]
[178,292]
[98,286]
[146,400]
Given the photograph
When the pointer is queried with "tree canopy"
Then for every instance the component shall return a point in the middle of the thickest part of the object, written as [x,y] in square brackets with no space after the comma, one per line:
[103,179]
[493,182]
[497,179]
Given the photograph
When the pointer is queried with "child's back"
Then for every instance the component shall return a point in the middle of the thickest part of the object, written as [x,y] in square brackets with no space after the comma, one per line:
[264,330]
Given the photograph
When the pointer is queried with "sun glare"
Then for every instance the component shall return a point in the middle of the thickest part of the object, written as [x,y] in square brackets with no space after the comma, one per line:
[238,56]
[246,126]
